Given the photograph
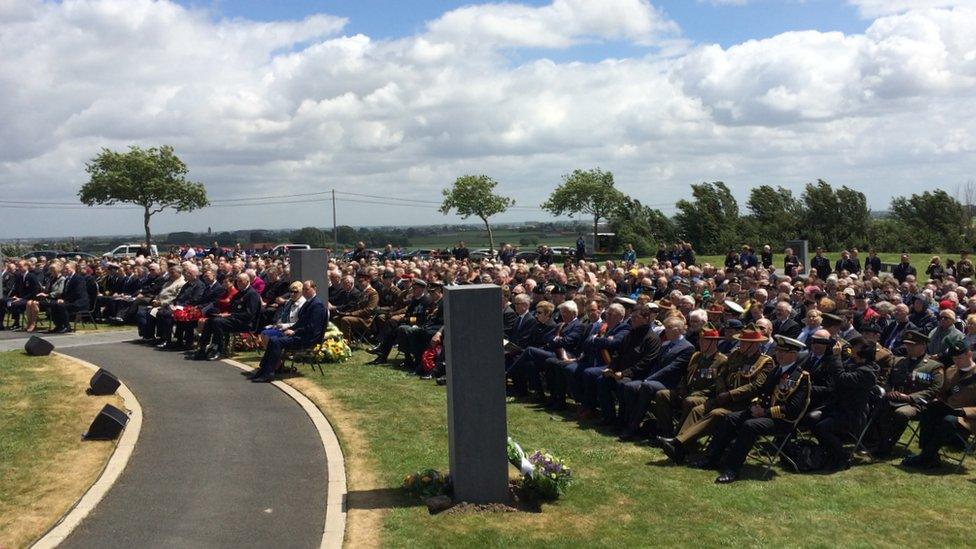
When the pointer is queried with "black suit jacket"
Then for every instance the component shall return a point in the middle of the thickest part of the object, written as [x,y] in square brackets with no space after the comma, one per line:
[310,326]
[210,294]
[673,363]
[76,292]
[190,293]
[788,328]
[523,330]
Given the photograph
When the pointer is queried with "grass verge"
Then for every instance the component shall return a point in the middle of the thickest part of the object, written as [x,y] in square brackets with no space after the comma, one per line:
[44,465]
[391,423]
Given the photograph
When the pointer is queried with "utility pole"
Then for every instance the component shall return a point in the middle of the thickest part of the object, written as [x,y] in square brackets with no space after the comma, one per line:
[335,227]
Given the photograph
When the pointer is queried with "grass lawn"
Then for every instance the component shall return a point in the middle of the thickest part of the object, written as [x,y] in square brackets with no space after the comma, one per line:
[391,423]
[44,465]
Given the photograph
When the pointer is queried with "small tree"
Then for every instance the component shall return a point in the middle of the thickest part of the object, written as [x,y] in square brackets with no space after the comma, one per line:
[585,192]
[154,179]
[473,195]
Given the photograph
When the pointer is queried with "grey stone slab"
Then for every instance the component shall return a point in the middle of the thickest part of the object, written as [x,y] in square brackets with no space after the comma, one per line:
[477,425]
[802,251]
[220,462]
[310,265]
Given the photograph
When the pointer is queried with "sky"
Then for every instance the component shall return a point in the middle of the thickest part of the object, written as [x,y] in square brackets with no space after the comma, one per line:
[272,105]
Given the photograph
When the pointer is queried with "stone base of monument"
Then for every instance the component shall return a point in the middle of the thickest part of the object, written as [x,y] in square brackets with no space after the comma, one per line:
[517,503]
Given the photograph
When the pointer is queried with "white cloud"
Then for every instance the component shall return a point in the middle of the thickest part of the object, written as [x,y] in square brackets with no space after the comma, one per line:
[876,8]
[258,109]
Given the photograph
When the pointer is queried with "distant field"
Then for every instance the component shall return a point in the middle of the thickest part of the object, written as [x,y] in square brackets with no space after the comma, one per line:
[479,239]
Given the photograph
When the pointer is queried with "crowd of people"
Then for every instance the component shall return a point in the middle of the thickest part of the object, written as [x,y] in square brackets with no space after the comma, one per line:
[699,359]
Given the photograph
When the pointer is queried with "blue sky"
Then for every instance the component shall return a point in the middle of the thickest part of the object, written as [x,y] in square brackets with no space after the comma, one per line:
[877,96]
[701,21]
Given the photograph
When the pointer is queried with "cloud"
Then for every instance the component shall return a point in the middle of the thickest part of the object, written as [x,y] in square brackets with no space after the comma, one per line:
[300,106]
[875,8]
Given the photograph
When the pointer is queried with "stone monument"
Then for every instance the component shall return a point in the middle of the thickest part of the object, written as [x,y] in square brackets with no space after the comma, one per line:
[476,421]
[311,265]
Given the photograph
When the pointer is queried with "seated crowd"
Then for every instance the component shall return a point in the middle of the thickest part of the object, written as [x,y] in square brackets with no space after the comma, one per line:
[698,359]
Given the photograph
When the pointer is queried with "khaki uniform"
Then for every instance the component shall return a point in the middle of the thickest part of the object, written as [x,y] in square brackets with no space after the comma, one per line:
[919,378]
[694,388]
[736,385]
[360,319]
[959,391]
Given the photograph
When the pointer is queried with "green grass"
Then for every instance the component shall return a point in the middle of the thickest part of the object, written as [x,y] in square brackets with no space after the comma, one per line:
[44,466]
[628,495]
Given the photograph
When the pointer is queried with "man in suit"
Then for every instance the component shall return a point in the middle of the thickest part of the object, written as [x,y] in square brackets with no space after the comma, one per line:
[244,310]
[212,291]
[638,355]
[413,340]
[779,404]
[565,345]
[821,264]
[306,332]
[189,293]
[27,285]
[891,336]
[903,270]
[676,351]
[412,314]
[74,299]
[784,324]
[602,342]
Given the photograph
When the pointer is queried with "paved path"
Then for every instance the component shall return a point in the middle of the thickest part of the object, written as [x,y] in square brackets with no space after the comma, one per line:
[10,341]
[221,462]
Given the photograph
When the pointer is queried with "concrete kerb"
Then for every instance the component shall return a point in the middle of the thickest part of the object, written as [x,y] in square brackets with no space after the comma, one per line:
[335,509]
[110,474]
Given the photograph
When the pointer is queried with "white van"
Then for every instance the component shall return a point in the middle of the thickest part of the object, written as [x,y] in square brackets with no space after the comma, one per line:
[129,250]
[281,250]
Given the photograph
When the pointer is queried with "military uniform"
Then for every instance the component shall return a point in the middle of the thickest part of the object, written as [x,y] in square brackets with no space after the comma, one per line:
[949,419]
[736,385]
[360,319]
[919,378]
[783,398]
[694,389]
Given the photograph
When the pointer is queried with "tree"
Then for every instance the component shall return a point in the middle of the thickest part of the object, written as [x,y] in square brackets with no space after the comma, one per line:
[473,195]
[585,192]
[710,221]
[312,236]
[933,220]
[834,219]
[776,214]
[642,226]
[154,179]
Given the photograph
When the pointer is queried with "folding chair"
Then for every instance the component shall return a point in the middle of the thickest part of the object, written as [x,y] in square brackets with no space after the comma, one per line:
[875,400]
[84,317]
[968,450]
[769,448]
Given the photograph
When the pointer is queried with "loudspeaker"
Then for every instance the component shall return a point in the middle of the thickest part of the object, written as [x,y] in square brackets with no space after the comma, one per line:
[103,383]
[107,424]
[38,347]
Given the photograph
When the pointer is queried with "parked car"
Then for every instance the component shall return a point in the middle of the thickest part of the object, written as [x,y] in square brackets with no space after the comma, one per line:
[46,254]
[483,253]
[282,250]
[73,255]
[417,254]
[129,250]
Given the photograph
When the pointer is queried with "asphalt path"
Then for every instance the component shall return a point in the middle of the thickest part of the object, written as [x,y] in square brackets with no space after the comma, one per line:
[220,462]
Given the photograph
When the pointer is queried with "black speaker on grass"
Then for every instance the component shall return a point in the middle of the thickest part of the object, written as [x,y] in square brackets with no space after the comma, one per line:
[103,383]
[36,346]
[107,424]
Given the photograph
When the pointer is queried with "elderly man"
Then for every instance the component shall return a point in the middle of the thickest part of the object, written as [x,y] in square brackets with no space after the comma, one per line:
[245,307]
[359,319]
[672,366]
[891,336]
[944,334]
[913,381]
[303,334]
[950,417]
[190,293]
[73,299]
[146,316]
